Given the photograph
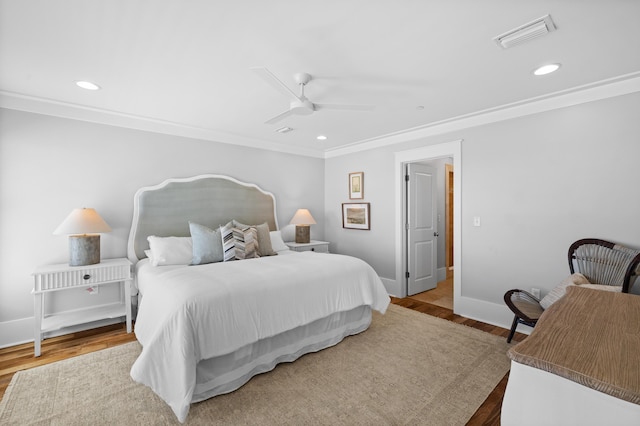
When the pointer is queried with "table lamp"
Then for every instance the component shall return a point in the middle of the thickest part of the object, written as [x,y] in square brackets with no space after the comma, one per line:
[83,227]
[302,219]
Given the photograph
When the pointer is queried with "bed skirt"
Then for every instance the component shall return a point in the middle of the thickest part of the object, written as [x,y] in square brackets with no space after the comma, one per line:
[226,373]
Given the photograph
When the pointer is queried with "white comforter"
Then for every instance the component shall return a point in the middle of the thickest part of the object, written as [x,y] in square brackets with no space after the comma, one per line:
[194,313]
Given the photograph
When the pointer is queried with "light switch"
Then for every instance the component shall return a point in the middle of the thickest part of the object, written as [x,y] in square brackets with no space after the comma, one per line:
[476,221]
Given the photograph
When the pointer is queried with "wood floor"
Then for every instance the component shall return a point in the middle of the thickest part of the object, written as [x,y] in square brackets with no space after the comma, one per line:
[21,357]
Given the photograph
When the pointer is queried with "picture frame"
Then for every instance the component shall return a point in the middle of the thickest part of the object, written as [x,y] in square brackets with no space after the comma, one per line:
[356,216]
[356,186]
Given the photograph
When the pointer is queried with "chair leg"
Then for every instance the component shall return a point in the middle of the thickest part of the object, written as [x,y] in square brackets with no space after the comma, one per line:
[513,329]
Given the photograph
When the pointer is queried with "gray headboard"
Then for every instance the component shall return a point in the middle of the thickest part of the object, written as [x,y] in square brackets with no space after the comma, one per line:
[165,210]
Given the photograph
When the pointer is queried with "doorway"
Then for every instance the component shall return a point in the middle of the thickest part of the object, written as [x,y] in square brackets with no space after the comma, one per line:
[448,149]
[429,224]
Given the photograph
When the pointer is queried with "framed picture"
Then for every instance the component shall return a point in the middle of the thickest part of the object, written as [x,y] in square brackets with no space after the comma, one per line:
[356,216]
[356,186]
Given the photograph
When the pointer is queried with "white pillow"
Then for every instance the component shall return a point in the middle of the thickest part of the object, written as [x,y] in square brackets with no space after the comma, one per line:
[170,250]
[277,244]
[559,291]
[603,287]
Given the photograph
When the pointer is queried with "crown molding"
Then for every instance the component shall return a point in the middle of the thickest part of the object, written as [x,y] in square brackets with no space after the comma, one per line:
[72,111]
[609,88]
[617,86]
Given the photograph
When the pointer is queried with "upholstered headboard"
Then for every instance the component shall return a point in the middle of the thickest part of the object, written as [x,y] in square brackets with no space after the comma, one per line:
[212,200]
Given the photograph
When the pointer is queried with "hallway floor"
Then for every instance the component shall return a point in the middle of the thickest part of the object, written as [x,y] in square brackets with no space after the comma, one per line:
[441,296]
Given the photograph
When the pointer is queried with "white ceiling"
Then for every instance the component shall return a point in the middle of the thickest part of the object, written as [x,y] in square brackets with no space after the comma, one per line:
[186,64]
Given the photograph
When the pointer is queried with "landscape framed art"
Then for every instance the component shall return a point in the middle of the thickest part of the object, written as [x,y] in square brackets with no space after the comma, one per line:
[356,216]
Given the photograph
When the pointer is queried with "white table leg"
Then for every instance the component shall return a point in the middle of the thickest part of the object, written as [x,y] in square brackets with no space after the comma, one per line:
[127,302]
[37,313]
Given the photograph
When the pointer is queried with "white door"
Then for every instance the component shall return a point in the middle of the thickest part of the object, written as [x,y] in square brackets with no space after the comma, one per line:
[422,227]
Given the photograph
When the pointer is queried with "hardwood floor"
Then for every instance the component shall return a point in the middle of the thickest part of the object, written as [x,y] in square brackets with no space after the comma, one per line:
[21,357]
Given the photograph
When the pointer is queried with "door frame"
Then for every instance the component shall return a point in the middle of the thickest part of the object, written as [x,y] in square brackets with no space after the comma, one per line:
[447,149]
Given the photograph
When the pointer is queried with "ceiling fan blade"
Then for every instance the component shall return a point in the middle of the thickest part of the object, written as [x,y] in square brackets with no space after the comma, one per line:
[345,107]
[275,82]
[279,117]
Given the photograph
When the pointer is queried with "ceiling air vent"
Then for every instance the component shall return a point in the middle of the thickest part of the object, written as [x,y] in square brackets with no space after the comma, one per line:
[526,32]
[284,130]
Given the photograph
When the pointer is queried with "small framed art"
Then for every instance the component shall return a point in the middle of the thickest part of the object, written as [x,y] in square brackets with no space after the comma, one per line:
[356,216]
[356,186]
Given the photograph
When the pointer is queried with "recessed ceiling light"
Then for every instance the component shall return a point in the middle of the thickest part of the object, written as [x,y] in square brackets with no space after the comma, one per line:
[87,85]
[322,138]
[546,69]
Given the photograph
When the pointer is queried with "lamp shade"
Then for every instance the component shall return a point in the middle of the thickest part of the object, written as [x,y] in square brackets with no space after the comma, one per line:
[82,221]
[302,217]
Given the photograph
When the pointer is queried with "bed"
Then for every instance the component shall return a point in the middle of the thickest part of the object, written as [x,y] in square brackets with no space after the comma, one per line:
[206,329]
[580,364]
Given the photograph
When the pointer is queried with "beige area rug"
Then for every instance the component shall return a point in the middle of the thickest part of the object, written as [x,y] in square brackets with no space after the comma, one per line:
[407,368]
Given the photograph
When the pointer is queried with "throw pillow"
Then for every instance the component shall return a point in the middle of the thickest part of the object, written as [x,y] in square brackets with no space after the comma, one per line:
[264,240]
[246,242]
[228,243]
[277,243]
[170,250]
[207,244]
[555,294]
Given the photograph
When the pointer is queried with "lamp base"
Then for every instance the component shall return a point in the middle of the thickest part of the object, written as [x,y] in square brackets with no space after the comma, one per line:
[84,250]
[303,234]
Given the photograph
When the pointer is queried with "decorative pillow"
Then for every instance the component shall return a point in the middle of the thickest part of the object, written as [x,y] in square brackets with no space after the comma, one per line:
[207,244]
[246,242]
[228,243]
[170,250]
[555,294]
[604,287]
[264,240]
[276,242]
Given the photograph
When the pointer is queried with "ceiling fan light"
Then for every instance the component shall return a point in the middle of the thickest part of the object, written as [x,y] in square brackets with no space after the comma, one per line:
[546,69]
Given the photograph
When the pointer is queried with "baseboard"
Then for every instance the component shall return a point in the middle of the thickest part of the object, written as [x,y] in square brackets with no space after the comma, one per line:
[487,312]
[21,331]
[392,287]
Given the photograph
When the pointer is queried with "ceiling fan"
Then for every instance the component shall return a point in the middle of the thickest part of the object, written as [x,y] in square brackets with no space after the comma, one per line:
[300,105]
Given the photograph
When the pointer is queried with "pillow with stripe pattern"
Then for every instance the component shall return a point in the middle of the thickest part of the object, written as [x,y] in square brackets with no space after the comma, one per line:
[246,243]
[228,243]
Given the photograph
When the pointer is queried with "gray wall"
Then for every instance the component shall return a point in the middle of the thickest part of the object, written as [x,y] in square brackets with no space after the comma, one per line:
[49,165]
[538,182]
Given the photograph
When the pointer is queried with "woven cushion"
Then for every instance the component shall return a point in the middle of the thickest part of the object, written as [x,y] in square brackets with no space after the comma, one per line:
[560,289]
[245,242]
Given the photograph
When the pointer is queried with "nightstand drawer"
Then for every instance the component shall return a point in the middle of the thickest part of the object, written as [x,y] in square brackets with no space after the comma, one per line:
[317,246]
[64,276]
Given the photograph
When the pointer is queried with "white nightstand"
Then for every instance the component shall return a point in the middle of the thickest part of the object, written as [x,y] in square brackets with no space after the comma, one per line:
[313,245]
[52,278]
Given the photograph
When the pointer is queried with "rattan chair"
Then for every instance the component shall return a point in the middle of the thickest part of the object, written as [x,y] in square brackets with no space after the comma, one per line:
[601,262]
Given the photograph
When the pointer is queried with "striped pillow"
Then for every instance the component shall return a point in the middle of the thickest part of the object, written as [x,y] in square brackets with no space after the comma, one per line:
[228,243]
[246,243]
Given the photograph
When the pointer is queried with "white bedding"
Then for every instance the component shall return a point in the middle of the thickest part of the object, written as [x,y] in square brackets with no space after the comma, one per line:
[192,313]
